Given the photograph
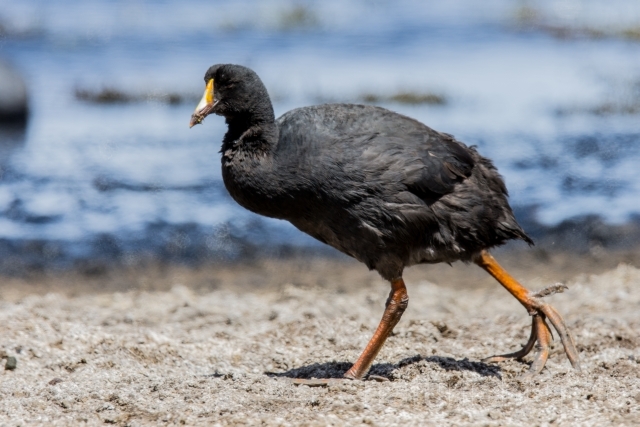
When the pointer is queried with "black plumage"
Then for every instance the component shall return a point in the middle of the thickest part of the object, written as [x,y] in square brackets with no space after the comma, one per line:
[376,185]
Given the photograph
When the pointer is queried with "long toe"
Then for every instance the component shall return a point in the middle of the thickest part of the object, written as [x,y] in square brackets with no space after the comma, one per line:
[543,337]
[517,354]
[565,336]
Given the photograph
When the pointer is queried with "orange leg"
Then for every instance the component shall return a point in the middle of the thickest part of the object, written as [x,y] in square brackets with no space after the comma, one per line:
[396,304]
[540,311]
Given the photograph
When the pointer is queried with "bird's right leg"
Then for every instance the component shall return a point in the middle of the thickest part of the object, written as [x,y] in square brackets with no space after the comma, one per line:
[539,310]
[395,306]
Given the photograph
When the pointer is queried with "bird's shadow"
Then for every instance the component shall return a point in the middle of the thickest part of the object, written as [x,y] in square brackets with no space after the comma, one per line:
[387,370]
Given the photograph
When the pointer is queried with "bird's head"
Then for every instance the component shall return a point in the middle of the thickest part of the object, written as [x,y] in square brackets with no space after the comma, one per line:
[231,91]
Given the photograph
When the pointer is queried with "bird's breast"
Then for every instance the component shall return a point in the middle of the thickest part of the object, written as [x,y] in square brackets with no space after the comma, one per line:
[253,187]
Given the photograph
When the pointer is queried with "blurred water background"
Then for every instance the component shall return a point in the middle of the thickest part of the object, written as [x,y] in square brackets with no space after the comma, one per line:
[107,169]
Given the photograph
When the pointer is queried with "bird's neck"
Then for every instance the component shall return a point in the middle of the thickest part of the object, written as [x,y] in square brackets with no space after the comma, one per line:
[251,132]
[247,163]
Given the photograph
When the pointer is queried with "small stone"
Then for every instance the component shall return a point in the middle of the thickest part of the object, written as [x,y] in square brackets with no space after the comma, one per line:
[11,364]
[55,381]
[494,414]
[313,382]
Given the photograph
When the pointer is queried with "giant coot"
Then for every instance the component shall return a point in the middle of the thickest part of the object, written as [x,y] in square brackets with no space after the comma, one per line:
[378,186]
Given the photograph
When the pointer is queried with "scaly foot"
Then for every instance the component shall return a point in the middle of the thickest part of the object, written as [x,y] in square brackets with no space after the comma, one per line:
[541,333]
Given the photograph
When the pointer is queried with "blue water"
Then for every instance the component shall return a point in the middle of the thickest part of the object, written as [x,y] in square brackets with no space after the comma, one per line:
[125,179]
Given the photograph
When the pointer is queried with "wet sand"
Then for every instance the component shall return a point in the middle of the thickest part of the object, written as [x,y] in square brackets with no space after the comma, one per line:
[220,344]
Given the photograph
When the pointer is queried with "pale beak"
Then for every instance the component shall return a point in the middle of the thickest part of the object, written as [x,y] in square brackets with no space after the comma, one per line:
[204,107]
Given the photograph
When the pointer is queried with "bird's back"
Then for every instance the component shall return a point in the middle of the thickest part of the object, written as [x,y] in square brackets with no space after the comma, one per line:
[373,145]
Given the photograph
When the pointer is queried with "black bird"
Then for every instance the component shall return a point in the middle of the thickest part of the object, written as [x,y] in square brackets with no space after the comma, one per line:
[378,186]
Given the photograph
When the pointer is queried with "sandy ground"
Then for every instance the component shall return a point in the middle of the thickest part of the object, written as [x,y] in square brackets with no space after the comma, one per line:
[221,346]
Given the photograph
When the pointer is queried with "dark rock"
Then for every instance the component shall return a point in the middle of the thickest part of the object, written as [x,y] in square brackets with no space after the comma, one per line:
[14,108]
[11,363]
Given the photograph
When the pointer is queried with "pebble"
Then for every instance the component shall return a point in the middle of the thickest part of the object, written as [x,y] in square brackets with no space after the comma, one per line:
[11,363]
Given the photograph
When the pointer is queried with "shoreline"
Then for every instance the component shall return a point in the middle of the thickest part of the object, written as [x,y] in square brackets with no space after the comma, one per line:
[196,247]
[543,263]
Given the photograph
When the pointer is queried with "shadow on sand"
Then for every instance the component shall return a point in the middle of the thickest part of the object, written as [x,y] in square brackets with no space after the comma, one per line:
[386,370]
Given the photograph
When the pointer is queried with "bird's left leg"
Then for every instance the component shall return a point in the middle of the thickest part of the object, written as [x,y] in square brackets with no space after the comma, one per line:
[539,310]
[395,306]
